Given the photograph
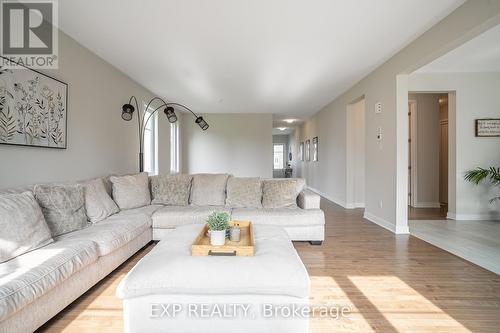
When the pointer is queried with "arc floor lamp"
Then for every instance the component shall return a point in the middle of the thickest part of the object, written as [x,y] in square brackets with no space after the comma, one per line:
[128,113]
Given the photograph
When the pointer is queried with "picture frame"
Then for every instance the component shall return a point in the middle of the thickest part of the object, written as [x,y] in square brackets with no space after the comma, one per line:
[33,108]
[301,151]
[308,150]
[487,128]
[315,149]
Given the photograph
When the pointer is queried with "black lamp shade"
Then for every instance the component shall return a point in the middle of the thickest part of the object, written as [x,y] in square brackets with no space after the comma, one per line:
[170,113]
[127,112]
[202,123]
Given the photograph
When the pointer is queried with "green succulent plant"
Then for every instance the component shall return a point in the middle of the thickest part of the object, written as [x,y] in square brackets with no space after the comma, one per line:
[218,221]
[479,174]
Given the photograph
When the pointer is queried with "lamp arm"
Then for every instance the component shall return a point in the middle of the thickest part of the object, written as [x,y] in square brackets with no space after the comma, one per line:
[138,120]
[152,100]
[183,106]
[147,119]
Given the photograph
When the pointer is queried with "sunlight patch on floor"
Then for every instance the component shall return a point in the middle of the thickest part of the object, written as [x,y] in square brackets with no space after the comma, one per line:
[326,291]
[403,307]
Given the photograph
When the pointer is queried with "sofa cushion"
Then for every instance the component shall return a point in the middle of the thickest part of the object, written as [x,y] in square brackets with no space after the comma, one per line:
[172,190]
[22,225]
[300,183]
[63,207]
[98,203]
[131,191]
[208,190]
[114,232]
[28,277]
[174,216]
[147,210]
[280,216]
[244,192]
[279,194]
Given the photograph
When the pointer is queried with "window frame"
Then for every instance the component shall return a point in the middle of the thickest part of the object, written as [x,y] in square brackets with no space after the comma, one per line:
[174,148]
[283,153]
[150,153]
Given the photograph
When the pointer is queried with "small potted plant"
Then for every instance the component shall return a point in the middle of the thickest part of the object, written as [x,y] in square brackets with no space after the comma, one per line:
[218,223]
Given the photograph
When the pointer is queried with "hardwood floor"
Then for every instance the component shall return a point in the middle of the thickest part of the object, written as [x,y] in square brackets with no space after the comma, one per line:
[391,283]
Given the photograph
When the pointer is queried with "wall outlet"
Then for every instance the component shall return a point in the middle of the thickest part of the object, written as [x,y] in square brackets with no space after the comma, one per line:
[378,107]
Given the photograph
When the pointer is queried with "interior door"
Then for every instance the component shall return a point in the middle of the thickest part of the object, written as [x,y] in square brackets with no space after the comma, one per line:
[410,190]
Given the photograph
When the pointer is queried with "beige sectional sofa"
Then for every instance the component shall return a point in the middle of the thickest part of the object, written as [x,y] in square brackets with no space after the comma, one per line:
[37,285]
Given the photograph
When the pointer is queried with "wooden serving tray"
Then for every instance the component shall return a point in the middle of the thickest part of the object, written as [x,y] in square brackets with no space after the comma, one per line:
[245,247]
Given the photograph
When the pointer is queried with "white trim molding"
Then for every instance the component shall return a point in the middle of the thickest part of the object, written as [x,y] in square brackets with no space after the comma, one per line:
[353,205]
[326,196]
[398,230]
[427,205]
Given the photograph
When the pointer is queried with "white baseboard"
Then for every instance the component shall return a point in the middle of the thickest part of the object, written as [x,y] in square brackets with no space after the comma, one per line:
[355,205]
[473,217]
[326,196]
[399,230]
[427,205]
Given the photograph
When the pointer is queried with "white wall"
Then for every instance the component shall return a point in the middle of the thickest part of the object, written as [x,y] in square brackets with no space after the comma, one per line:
[427,149]
[239,144]
[327,176]
[355,155]
[477,96]
[99,141]
[386,195]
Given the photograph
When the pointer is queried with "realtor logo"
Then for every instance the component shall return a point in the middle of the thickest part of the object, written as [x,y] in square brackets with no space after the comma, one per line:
[29,33]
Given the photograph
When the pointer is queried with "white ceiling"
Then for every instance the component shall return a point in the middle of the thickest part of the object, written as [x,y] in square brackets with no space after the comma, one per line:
[249,56]
[480,54]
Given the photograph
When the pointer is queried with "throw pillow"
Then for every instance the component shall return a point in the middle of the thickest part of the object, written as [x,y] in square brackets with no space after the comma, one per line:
[23,227]
[98,203]
[209,189]
[279,194]
[131,191]
[171,190]
[63,207]
[244,192]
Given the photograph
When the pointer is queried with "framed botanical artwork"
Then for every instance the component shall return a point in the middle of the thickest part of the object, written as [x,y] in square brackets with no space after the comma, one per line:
[301,151]
[33,108]
[308,150]
[315,149]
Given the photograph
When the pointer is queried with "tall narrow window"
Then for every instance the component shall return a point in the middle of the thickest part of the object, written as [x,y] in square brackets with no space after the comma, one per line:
[278,156]
[151,144]
[174,148]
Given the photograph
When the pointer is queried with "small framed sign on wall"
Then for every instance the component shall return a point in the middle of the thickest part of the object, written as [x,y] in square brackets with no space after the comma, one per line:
[488,127]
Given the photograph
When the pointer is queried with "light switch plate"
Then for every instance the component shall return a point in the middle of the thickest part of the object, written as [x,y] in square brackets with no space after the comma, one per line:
[379,134]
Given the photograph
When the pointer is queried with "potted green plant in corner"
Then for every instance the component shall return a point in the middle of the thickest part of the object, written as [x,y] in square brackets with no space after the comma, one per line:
[479,174]
[218,223]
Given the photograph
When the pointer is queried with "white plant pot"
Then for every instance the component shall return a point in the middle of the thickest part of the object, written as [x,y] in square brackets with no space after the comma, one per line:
[217,237]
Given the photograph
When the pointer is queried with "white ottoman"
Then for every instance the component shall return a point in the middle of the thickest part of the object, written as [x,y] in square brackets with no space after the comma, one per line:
[171,291]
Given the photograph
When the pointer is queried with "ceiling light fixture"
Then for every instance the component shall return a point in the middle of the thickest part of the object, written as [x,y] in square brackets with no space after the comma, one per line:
[282,128]
[289,120]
